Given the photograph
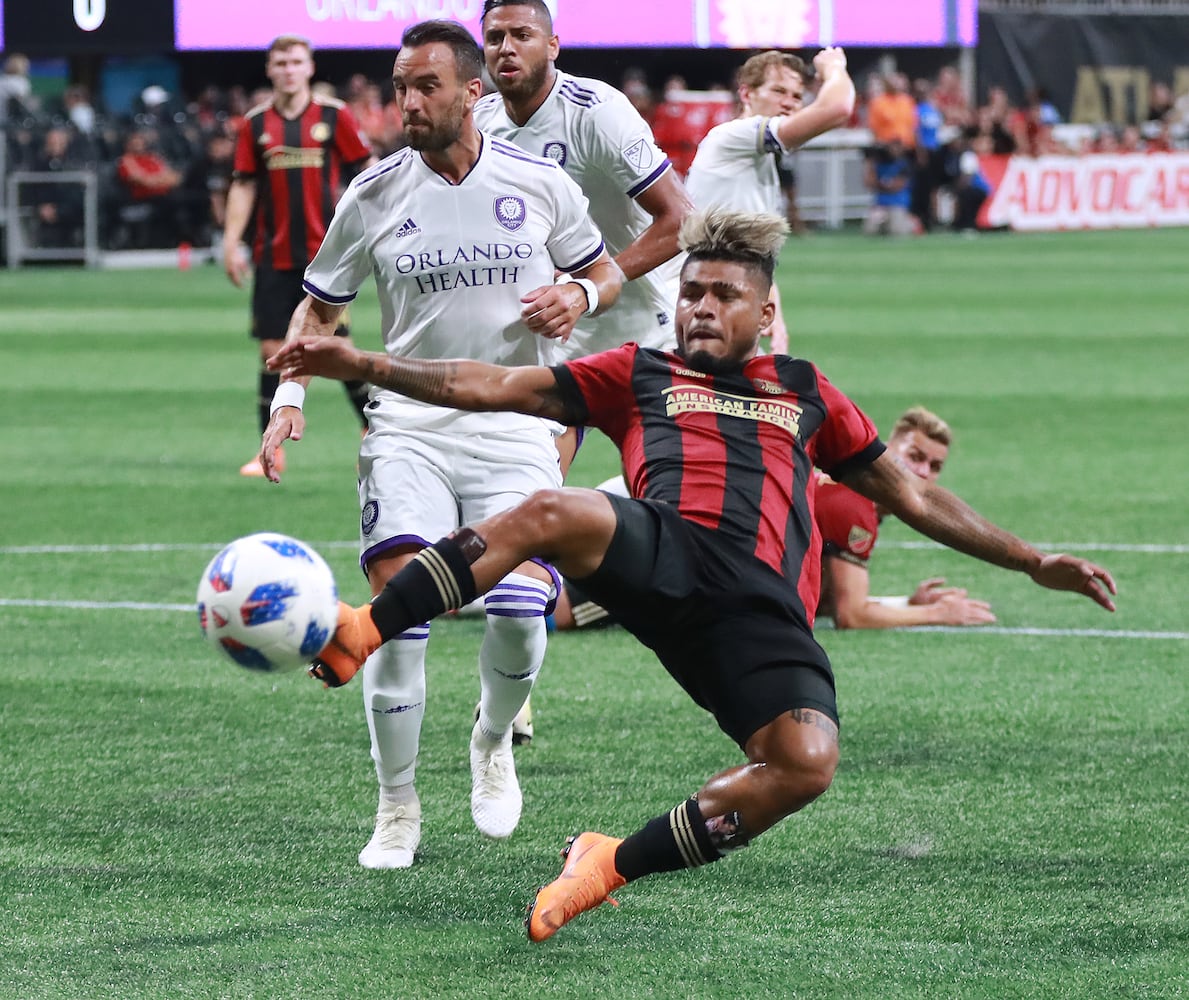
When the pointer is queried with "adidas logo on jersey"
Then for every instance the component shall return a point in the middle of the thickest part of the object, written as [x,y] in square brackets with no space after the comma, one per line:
[408,228]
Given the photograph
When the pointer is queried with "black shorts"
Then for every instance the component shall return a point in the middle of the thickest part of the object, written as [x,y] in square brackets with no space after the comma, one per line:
[724,625]
[275,294]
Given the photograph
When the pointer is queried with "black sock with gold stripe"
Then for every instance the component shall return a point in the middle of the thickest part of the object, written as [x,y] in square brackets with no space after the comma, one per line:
[438,579]
[678,839]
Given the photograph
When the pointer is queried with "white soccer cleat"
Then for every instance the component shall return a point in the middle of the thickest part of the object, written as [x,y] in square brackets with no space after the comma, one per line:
[397,834]
[495,792]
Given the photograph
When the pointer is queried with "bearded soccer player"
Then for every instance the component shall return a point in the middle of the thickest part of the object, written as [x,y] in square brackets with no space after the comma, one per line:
[293,155]
[591,129]
[463,234]
[713,565]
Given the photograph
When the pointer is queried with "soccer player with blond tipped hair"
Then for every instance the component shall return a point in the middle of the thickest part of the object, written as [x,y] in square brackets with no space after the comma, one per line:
[711,563]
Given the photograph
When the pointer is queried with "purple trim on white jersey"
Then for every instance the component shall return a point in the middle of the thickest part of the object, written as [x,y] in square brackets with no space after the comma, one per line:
[388,545]
[586,261]
[648,181]
[323,296]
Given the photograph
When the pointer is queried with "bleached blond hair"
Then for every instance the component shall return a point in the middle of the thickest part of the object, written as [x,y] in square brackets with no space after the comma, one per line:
[752,238]
[917,418]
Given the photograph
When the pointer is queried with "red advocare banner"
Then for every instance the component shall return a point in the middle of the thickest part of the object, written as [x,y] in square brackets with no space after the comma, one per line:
[1086,192]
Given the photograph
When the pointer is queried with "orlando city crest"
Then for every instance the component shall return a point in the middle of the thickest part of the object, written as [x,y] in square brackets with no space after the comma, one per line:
[556,151]
[509,212]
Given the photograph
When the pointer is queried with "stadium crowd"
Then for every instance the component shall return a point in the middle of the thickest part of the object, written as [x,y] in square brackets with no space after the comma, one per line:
[164,167]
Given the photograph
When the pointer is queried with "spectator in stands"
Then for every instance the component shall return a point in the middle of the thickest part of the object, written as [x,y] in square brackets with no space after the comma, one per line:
[151,187]
[969,186]
[1160,101]
[207,183]
[949,96]
[892,114]
[58,207]
[929,173]
[1032,125]
[16,90]
[76,100]
[887,172]
[989,134]
[1131,140]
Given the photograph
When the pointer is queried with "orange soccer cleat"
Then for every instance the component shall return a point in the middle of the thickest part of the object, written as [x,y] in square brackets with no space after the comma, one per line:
[355,639]
[587,879]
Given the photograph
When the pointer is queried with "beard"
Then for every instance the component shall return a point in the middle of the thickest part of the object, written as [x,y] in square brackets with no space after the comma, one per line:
[529,84]
[710,364]
[441,136]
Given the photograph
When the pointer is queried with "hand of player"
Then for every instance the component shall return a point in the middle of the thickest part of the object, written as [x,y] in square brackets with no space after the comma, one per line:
[829,61]
[958,609]
[1062,572]
[329,357]
[235,263]
[287,423]
[933,590]
[552,310]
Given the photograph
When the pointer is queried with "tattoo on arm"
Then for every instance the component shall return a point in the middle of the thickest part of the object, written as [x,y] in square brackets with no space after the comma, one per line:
[472,385]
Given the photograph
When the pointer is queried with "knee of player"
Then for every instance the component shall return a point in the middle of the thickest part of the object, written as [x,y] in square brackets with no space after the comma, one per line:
[545,515]
[804,774]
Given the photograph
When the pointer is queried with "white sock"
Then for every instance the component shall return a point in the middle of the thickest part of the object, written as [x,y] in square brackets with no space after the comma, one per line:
[512,652]
[394,702]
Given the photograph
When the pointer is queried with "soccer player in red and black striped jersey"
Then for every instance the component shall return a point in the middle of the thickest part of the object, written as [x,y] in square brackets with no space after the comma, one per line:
[713,564]
[293,157]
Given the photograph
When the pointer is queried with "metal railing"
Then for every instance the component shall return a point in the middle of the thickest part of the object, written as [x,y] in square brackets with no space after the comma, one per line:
[21,220]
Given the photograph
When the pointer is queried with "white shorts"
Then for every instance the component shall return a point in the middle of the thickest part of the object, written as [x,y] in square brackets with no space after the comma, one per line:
[416,484]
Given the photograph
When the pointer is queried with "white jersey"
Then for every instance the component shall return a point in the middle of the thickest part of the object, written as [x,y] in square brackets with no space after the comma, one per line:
[451,261]
[735,167]
[601,141]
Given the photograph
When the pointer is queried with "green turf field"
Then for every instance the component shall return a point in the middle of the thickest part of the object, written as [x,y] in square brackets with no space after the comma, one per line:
[1010,817]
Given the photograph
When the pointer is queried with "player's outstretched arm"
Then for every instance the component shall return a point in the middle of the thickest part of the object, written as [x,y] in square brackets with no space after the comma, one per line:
[461,384]
[944,517]
[830,109]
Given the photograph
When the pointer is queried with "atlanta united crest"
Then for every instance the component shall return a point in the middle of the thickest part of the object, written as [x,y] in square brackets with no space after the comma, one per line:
[509,212]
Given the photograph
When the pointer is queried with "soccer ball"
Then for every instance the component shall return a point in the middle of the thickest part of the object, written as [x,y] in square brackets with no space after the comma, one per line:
[268,602]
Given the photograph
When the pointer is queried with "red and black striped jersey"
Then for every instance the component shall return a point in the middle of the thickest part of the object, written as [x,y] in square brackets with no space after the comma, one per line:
[732,452]
[297,165]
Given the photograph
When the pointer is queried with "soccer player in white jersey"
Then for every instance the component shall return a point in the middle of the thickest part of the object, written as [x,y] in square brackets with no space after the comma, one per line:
[464,234]
[735,166]
[591,129]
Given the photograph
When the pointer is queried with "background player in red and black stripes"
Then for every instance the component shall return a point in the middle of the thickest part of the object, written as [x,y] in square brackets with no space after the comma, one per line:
[293,156]
[714,566]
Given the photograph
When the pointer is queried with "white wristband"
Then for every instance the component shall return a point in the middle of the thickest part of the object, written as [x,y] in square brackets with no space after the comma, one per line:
[588,286]
[287,394]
